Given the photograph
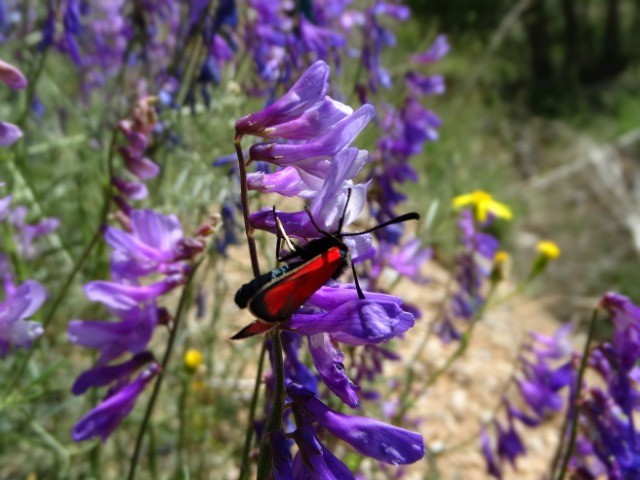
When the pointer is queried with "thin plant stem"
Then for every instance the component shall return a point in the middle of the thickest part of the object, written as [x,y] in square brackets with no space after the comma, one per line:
[165,362]
[248,439]
[274,420]
[573,432]
[244,200]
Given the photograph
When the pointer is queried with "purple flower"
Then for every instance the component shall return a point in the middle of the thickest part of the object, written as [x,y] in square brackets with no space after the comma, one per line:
[131,334]
[305,94]
[327,207]
[104,375]
[26,233]
[16,331]
[333,139]
[105,418]
[313,461]
[425,85]
[11,76]
[368,436]
[328,361]
[493,466]
[358,322]
[438,50]
[121,298]
[154,237]
[626,321]
[9,134]
[131,190]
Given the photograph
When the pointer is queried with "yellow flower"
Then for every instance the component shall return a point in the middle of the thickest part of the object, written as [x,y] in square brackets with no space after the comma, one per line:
[501,257]
[549,249]
[192,359]
[484,204]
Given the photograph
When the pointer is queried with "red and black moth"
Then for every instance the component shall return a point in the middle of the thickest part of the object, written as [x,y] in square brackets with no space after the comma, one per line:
[274,296]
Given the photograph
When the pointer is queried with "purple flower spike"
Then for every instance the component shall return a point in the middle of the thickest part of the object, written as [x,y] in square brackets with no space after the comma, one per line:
[328,361]
[105,418]
[15,330]
[9,134]
[103,375]
[11,76]
[368,436]
[309,90]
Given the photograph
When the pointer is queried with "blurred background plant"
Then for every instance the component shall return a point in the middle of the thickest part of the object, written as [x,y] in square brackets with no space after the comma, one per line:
[540,110]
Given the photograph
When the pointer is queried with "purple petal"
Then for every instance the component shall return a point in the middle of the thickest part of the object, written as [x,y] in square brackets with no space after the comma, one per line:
[338,137]
[310,88]
[123,298]
[103,375]
[438,50]
[368,436]
[131,190]
[11,76]
[9,134]
[107,416]
[328,360]
[360,322]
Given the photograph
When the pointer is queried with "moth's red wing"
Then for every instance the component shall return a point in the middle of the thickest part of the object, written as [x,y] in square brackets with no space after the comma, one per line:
[280,299]
[252,329]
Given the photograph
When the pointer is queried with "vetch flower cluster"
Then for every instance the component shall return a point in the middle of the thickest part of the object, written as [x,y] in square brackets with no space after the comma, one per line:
[155,246]
[546,367]
[310,147]
[608,440]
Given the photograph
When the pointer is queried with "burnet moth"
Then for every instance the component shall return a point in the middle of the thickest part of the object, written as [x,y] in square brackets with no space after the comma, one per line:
[274,296]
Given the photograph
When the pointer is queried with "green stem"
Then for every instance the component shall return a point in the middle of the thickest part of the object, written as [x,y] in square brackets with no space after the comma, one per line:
[165,362]
[248,439]
[573,433]
[274,421]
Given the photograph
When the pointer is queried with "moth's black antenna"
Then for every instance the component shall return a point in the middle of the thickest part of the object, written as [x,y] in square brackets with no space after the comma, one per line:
[400,219]
[344,211]
[355,277]
[324,232]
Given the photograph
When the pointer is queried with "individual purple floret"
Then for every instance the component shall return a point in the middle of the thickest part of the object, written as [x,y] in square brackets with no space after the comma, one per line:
[367,436]
[16,330]
[107,416]
[438,50]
